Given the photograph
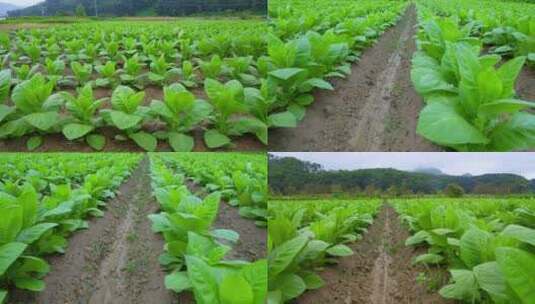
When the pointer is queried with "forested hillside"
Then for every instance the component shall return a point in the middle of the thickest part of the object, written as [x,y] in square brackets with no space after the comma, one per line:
[138,7]
[292,176]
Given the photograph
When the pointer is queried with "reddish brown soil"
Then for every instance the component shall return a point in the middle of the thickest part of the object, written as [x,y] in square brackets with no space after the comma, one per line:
[374,109]
[115,260]
[380,271]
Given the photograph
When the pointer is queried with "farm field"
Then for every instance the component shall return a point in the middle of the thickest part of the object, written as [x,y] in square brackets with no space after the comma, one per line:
[414,250]
[182,85]
[396,75]
[134,228]
[214,253]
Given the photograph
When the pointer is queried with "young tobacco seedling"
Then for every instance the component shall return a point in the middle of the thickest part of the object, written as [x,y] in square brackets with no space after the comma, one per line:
[181,112]
[83,121]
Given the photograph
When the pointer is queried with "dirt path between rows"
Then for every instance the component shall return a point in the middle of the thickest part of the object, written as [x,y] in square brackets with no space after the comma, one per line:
[380,271]
[374,109]
[115,260]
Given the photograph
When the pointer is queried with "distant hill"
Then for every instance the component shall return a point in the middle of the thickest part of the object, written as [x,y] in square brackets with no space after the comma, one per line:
[5,7]
[433,171]
[292,176]
[139,7]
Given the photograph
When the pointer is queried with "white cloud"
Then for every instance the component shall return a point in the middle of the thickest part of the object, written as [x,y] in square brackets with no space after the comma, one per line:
[449,163]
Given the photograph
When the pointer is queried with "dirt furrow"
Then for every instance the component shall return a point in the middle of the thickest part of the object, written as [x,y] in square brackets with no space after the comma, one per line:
[379,272]
[96,267]
[357,115]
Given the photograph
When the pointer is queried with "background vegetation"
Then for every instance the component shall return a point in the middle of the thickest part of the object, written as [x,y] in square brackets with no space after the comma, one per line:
[139,7]
[291,176]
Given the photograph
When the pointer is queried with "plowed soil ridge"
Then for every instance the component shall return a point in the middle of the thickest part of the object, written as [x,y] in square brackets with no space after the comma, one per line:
[379,272]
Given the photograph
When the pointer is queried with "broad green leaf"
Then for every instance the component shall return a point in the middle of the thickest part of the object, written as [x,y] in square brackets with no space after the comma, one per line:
[9,253]
[508,74]
[521,233]
[226,234]
[489,85]
[518,266]
[428,258]
[29,283]
[73,131]
[285,74]
[440,123]
[275,297]
[124,121]
[177,281]
[3,296]
[33,233]
[214,139]
[505,106]
[5,111]
[181,142]
[464,287]
[96,141]
[5,86]
[257,275]
[518,133]
[234,289]
[34,142]
[490,278]
[284,254]
[283,120]
[291,285]
[202,279]
[313,280]
[417,238]
[340,250]
[145,140]
[11,222]
[475,247]
[43,120]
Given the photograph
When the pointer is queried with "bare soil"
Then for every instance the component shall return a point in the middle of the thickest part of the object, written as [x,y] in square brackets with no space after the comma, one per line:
[525,85]
[380,271]
[115,260]
[374,109]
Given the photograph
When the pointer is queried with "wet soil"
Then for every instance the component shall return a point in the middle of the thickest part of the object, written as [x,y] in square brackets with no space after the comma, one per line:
[379,272]
[115,260]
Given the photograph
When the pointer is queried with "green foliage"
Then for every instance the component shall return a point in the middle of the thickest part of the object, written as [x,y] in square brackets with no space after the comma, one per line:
[39,213]
[486,249]
[303,236]
[195,252]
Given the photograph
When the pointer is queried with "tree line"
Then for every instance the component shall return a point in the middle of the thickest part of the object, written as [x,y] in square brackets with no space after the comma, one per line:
[291,176]
[138,7]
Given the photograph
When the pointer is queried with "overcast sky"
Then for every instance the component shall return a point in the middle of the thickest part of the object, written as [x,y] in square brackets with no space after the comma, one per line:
[22,2]
[449,163]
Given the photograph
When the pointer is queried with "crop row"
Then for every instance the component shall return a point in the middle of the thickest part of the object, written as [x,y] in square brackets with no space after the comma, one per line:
[311,41]
[240,178]
[44,199]
[488,245]
[125,61]
[469,91]
[195,252]
[306,235]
